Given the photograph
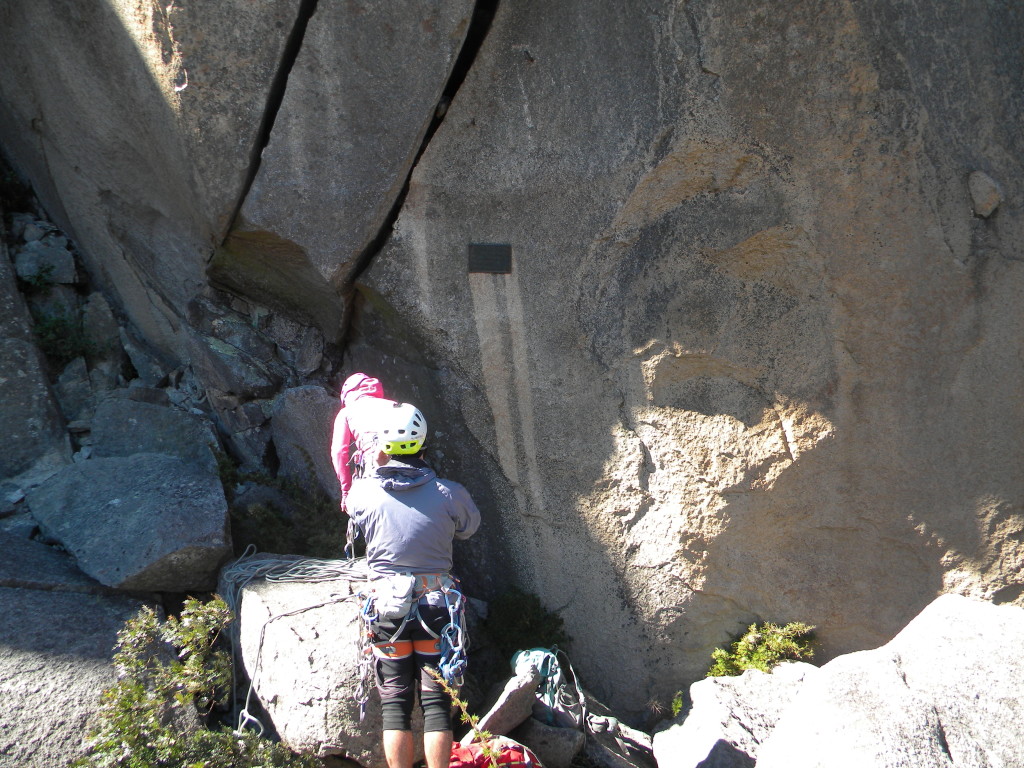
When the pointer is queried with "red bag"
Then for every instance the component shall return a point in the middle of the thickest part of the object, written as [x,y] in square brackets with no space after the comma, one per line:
[508,753]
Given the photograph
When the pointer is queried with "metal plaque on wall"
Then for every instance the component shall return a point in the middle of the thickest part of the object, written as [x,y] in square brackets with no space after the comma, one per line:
[490,257]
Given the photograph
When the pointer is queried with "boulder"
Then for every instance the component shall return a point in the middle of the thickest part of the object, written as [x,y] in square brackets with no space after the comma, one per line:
[555,747]
[302,424]
[305,223]
[55,660]
[730,718]
[73,390]
[298,643]
[944,691]
[124,427]
[139,393]
[29,564]
[34,436]
[143,522]
[46,262]
[511,706]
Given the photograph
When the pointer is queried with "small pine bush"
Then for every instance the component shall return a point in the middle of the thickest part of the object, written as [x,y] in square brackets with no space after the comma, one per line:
[677,704]
[763,647]
[167,674]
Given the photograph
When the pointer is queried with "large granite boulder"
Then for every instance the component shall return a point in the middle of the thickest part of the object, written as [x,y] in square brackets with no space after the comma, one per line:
[745,353]
[945,691]
[729,718]
[30,564]
[299,647]
[146,522]
[55,653]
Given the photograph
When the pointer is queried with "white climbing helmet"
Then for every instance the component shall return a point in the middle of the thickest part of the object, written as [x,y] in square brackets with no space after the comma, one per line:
[402,429]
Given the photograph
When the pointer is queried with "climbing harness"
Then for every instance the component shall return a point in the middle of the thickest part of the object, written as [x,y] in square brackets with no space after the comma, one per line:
[397,598]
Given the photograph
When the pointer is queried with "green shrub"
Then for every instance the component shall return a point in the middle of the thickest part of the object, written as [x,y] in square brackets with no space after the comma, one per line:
[147,719]
[516,621]
[678,702]
[763,647]
[61,338]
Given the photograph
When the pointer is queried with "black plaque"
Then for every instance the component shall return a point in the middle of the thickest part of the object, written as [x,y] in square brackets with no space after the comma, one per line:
[490,257]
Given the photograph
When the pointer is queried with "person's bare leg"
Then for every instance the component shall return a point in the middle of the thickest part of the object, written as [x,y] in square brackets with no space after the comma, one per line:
[398,749]
[437,746]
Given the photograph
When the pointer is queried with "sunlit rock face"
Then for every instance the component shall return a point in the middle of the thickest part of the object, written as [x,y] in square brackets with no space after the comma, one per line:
[756,353]
[137,124]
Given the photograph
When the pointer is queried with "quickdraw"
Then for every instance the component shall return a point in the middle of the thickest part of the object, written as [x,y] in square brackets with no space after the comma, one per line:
[452,665]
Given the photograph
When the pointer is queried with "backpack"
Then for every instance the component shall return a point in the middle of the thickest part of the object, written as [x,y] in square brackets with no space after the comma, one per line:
[506,752]
[560,701]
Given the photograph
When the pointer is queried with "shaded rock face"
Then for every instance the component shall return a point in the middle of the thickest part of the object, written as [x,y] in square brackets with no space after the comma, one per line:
[757,355]
[34,440]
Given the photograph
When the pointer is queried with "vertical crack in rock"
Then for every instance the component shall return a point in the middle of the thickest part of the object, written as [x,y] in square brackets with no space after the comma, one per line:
[275,97]
[940,732]
[479,25]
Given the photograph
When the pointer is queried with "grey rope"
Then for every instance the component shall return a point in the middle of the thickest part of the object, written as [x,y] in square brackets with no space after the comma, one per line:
[251,567]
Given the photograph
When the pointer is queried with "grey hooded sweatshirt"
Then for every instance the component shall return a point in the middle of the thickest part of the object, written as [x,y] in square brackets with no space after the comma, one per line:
[409,517]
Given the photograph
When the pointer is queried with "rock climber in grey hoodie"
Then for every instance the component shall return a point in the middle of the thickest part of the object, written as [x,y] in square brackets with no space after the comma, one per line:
[409,518]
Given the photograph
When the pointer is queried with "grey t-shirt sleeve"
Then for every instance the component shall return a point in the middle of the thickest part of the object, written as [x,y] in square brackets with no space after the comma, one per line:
[464,511]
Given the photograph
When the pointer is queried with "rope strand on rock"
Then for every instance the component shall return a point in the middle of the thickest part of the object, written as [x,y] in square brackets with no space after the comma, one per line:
[251,567]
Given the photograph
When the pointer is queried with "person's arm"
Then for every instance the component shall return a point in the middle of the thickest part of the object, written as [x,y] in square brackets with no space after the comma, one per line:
[341,443]
[465,512]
